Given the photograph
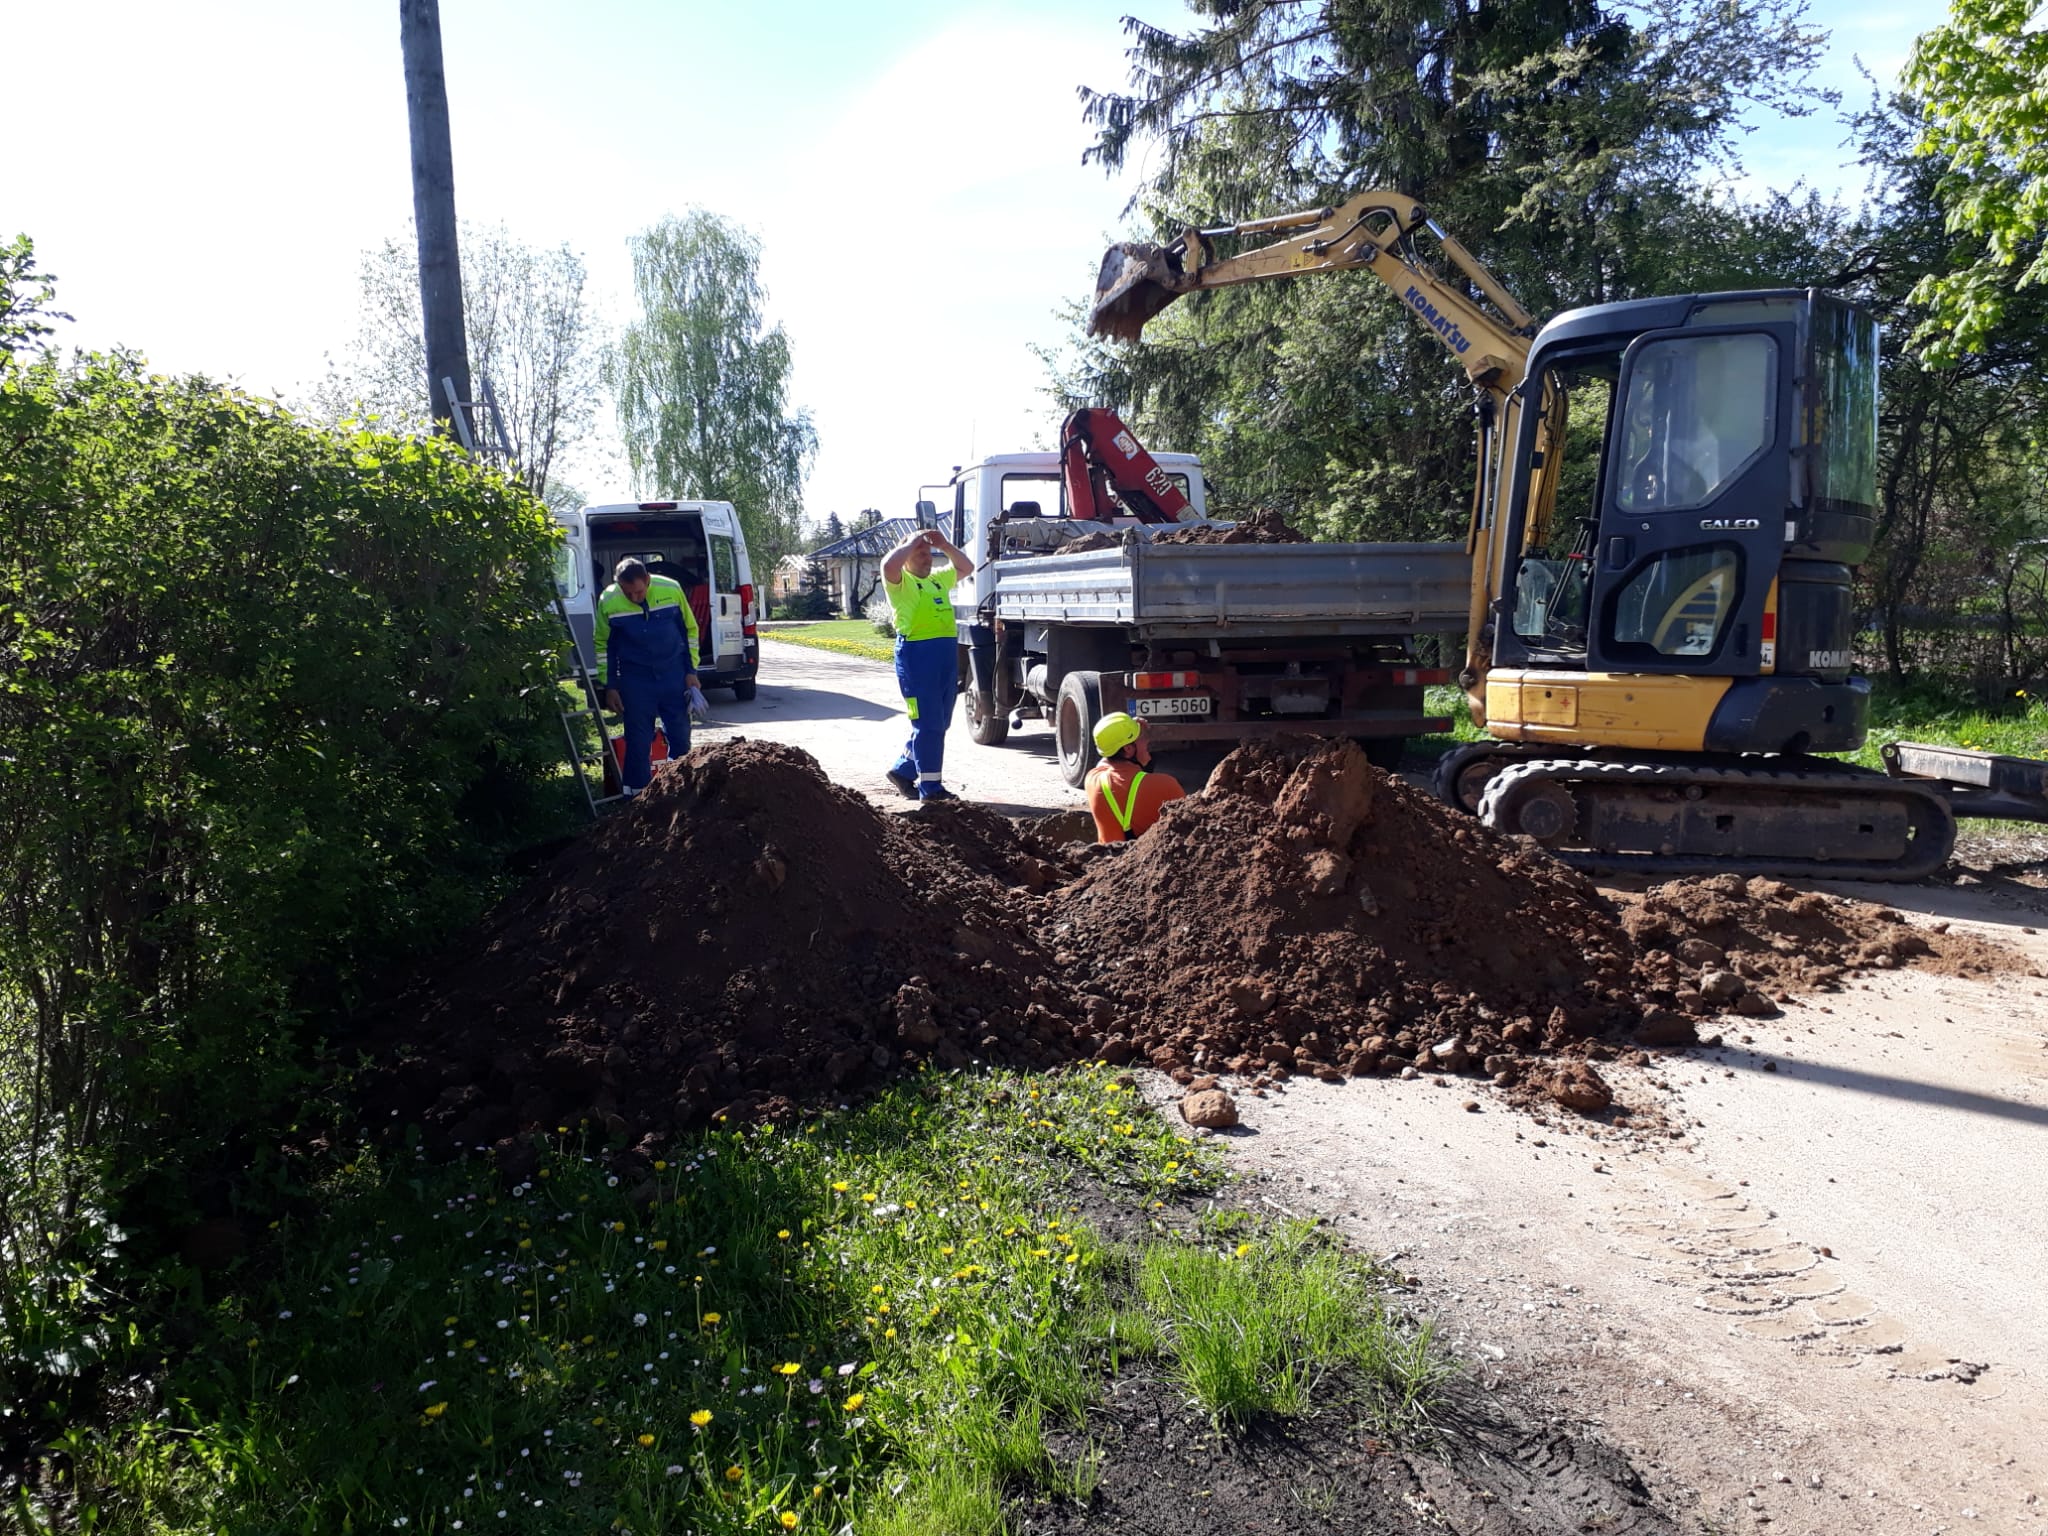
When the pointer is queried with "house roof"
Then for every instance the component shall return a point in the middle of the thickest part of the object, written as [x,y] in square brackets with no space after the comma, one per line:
[869,542]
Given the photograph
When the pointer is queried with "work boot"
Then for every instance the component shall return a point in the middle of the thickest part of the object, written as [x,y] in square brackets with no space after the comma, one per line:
[937,792]
[907,782]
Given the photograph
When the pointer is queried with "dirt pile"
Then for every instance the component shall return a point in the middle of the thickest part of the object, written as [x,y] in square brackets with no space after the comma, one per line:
[1261,527]
[1742,945]
[1308,913]
[744,933]
[747,936]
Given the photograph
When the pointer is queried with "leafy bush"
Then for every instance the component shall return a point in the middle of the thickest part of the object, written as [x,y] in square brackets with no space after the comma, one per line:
[270,694]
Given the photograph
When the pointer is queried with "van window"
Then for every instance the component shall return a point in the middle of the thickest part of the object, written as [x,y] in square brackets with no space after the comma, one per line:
[568,569]
[725,570]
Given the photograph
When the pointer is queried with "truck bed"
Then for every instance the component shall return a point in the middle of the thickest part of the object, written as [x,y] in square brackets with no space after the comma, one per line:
[1196,590]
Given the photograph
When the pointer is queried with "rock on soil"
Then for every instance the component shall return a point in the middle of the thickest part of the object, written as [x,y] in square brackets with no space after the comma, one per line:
[747,936]
[1209,1109]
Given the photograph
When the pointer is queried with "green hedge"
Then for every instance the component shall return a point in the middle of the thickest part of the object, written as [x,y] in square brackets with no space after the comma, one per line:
[271,697]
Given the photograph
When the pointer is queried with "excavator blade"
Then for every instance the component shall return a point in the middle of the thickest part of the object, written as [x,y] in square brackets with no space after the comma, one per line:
[1136,283]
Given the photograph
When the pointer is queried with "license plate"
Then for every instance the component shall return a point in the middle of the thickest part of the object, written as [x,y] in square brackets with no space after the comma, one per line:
[1157,707]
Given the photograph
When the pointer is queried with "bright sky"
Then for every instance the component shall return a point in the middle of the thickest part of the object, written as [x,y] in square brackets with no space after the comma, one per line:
[207,174]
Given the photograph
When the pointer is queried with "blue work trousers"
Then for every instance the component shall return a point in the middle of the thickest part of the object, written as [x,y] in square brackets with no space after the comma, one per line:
[928,675]
[646,696]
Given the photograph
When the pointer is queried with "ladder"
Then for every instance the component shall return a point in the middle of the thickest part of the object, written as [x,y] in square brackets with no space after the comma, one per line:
[596,773]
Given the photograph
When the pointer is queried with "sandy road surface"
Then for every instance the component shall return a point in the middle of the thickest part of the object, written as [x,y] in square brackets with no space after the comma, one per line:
[1820,1306]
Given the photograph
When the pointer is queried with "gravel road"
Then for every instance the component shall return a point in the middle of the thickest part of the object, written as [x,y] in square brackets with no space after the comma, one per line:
[1816,1305]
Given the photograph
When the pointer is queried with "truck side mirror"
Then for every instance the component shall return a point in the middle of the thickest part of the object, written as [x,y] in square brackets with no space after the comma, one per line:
[928,514]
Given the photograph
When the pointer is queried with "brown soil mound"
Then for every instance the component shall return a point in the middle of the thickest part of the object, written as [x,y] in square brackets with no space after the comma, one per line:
[1309,912]
[747,935]
[745,932]
[1776,940]
[1263,527]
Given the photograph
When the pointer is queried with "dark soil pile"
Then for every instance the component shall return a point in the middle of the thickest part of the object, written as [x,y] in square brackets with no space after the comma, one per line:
[748,936]
[1262,527]
[1729,942]
[1308,912]
[745,933]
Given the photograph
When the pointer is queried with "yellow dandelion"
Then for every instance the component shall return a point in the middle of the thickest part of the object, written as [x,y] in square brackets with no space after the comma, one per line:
[448,1322]
[712,1319]
[839,1186]
[875,1290]
[947,1251]
[659,1165]
[788,1368]
[469,1343]
[618,1226]
[733,1474]
[788,1518]
[868,1196]
[853,1403]
[435,1410]
[526,1242]
[783,1235]
[1243,1249]
[647,1440]
[890,1334]
[701,1417]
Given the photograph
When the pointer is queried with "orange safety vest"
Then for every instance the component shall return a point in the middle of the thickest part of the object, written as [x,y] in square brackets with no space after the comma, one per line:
[1123,813]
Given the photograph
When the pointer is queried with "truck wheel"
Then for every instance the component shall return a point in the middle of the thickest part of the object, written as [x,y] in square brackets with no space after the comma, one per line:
[1075,714]
[743,692]
[989,726]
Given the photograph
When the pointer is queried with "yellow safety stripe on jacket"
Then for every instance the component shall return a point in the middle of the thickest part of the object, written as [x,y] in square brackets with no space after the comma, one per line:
[1123,813]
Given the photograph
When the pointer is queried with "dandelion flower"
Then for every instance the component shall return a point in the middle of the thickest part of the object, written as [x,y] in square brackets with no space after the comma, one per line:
[853,1403]
[789,1368]
[1243,1249]
[789,1519]
[712,1319]
[868,1195]
[839,1186]
[733,1474]
[659,1245]
[647,1439]
[701,1417]
[435,1410]
[783,1234]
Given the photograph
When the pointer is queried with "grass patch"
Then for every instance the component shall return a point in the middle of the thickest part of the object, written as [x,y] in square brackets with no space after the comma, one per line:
[846,637]
[871,1320]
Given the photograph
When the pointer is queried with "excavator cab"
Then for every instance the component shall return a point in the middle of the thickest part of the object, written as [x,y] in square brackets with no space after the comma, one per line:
[1705,531]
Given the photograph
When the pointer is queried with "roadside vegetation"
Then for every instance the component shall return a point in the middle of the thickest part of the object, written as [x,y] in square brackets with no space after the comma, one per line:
[870,1320]
[846,637]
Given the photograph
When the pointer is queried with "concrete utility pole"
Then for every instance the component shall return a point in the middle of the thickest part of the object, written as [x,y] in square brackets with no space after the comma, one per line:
[433,206]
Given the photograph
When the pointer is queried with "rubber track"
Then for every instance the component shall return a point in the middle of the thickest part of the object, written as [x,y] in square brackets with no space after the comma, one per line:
[1935,823]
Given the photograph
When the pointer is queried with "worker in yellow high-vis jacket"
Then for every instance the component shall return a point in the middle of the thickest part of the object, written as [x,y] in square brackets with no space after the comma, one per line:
[927,654]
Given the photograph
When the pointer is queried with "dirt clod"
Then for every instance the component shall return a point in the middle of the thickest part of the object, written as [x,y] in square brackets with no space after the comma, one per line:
[1212,1109]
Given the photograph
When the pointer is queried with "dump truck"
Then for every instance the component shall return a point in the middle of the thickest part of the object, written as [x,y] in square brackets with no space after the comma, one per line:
[1067,618]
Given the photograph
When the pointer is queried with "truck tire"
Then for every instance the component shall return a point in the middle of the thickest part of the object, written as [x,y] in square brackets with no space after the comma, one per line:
[1075,714]
[743,691]
[988,725]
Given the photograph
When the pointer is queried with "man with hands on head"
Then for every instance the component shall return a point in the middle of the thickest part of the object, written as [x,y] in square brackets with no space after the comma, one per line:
[927,654]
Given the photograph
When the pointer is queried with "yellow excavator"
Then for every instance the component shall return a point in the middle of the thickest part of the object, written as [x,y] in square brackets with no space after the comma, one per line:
[1671,496]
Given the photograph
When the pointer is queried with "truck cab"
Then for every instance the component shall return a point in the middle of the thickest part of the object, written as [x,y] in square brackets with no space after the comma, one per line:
[700,545]
[1015,503]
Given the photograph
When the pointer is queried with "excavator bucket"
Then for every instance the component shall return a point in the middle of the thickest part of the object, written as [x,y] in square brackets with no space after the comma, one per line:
[1136,283]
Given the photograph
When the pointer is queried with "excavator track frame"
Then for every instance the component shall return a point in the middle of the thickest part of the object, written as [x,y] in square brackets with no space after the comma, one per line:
[1759,803]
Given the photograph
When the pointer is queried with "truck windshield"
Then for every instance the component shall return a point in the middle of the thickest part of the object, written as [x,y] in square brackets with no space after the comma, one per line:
[1842,413]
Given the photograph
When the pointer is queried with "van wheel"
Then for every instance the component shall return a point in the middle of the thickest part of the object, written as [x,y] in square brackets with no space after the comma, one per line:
[1076,713]
[989,726]
[743,692]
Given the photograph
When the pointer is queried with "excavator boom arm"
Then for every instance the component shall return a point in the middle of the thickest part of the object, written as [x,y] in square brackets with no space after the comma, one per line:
[1371,232]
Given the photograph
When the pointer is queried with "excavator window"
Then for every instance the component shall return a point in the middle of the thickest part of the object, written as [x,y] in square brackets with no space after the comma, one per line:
[1553,583]
[1679,603]
[1700,410]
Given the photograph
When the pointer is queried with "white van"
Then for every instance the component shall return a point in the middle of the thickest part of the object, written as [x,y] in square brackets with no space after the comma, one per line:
[697,543]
